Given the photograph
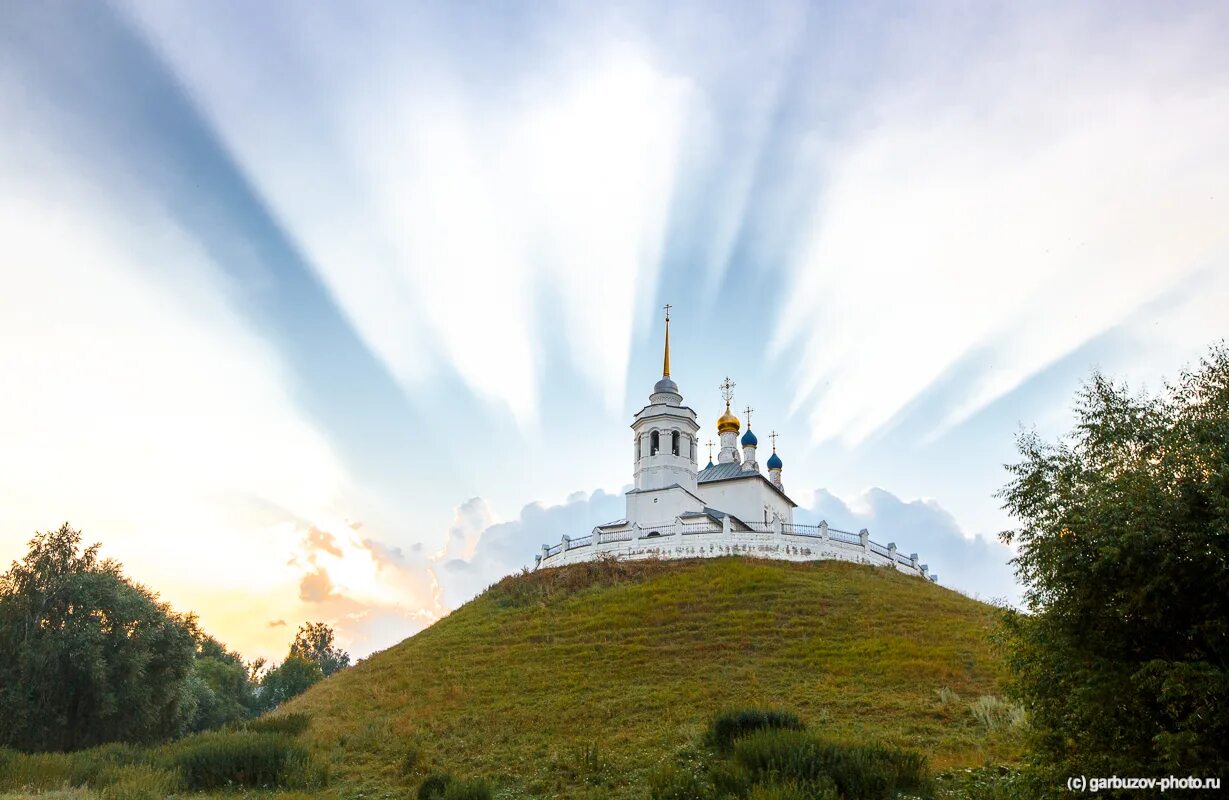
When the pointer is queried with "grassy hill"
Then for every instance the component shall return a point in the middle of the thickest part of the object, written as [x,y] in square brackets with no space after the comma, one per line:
[578,681]
[582,681]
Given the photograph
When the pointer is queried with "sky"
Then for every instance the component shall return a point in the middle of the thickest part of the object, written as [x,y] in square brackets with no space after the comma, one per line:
[339,311]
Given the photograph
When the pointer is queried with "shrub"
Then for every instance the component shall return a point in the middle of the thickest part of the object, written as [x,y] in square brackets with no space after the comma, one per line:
[994,713]
[991,783]
[862,772]
[140,782]
[731,725]
[947,696]
[472,789]
[793,791]
[433,786]
[242,758]
[289,724]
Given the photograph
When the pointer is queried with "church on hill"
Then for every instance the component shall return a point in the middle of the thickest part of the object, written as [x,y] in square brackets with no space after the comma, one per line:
[730,507]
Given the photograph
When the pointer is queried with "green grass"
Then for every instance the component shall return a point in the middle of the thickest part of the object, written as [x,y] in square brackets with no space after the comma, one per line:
[580,681]
[586,681]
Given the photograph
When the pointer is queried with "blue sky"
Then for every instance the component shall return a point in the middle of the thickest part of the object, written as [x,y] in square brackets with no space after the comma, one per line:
[337,312]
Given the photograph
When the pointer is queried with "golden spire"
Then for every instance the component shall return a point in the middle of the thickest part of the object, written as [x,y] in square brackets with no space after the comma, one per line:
[665,362]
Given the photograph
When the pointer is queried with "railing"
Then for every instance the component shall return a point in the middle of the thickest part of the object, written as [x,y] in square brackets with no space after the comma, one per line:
[844,536]
[857,540]
[617,536]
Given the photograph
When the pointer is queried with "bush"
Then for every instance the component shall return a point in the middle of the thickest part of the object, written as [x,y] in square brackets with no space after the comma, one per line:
[991,783]
[947,696]
[289,724]
[140,783]
[731,725]
[994,713]
[269,760]
[792,791]
[474,789]
[861,772]
[433,786]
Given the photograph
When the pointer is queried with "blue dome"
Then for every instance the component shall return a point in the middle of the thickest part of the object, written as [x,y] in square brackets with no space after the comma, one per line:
[749,438]
[774,461]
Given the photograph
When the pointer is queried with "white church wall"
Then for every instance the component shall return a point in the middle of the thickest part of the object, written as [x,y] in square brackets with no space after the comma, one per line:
[746,499]
[660,506]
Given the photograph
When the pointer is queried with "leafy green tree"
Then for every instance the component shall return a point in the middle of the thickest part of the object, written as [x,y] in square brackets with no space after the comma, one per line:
[314,642]
[221,686]
[292,677]
[87,656]
[1123,544]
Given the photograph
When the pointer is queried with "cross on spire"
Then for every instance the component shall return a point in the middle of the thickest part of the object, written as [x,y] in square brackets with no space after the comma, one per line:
[727,391]
[748,411]
[710,450]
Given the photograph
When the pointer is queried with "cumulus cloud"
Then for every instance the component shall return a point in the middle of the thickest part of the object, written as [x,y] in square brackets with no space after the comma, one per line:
[502,548]
[372,593]
[975,564]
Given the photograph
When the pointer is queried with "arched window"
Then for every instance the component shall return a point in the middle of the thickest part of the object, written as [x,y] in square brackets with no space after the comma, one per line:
[674,443]
[654,443]
[638,438]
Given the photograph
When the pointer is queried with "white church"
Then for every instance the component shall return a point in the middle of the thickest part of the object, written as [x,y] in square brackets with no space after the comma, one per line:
[676,510]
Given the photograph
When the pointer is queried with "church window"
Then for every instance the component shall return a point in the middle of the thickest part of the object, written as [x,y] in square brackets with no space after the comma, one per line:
[674,443]
[638,443]
[654,443]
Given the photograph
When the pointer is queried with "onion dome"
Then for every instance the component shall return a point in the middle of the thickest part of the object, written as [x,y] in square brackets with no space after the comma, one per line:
[774,461]
[665,385]
[749,439]
[727,422]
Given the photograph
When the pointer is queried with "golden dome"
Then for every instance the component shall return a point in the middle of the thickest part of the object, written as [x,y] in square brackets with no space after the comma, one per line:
[727,422]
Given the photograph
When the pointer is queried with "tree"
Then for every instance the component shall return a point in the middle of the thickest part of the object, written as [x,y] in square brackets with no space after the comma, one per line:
[1123,544]
[314,642]
[221,685]
[87,656]
[292,677]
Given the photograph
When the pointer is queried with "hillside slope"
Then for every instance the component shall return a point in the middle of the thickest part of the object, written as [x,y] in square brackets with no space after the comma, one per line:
[577,681]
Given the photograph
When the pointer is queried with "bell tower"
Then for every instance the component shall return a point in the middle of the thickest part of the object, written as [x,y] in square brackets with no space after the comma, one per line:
[664,434]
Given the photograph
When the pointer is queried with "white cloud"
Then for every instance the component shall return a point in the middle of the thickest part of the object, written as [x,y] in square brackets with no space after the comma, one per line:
[436,210]
[976,565]
[136,404]
[1064,179]
[503,548]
